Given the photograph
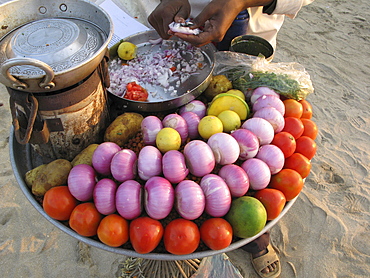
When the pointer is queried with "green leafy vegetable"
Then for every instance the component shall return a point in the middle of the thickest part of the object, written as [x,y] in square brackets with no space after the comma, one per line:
[280,83]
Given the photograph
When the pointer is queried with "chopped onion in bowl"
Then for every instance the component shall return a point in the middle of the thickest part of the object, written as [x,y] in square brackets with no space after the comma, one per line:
[167,67]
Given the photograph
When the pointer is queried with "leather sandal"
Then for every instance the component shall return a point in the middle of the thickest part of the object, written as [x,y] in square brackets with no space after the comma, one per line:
[264,261]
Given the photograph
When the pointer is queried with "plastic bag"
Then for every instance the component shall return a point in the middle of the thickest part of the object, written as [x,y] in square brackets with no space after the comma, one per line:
[217,266]
[249,72]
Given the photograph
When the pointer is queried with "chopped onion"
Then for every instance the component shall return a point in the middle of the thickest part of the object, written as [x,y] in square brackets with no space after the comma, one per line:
[248,143]
[199,158]
[124,165]
[128,199]
[150,126]
[102,157]
[178,123]
[217,193]
[236,179]
[272,156]
[149,162]
[189,199]
[261,128]
[269,101]
[225,148]
[273,116]
[81,182]
[174,166]
[258,172]
[105,196]
[159,197]
[192,120]
[195,106]
[262,91]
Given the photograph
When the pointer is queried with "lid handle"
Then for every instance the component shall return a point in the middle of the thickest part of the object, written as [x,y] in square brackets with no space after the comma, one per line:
[46,84]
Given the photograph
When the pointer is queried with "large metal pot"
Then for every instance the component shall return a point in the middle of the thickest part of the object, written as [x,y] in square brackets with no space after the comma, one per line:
[51,45]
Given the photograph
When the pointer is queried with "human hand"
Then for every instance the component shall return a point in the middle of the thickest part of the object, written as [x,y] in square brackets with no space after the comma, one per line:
[166,12]
[216,18]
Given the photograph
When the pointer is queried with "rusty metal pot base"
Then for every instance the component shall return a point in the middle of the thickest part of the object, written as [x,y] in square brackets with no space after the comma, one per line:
[61,124]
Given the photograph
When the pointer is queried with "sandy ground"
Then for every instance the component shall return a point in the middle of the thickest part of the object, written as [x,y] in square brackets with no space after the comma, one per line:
[324,234]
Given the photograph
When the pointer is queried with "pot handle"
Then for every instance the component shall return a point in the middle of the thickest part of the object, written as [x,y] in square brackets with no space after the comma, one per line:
[31,120]
[46,84]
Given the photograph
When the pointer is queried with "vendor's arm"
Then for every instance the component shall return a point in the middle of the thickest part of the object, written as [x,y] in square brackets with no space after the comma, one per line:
[166,12]
[217,17]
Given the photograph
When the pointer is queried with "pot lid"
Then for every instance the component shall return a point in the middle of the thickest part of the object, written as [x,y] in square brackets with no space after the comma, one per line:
[59,42]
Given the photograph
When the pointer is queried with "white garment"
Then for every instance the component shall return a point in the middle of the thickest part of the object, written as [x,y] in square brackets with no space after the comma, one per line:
[260,24]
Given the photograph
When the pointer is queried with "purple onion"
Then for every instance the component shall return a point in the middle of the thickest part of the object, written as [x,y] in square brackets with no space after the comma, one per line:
[105,196]
[124,165]
[217,193]
[81,182]
[258,172]
[159,197]
[272,156]
[149,162]
[262,91]
[174,166]
[102,157]
[195,106]
[199,158]
[192,120]
[248,143]
[225,148]
[178,123]
[261,128]
[273,116]
[189,199]
[150,126]
[128,199]
[236,179]
[269,101]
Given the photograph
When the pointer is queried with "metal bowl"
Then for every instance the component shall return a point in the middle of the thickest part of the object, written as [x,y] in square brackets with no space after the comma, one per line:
[23,159]
[189,90]
[252,45]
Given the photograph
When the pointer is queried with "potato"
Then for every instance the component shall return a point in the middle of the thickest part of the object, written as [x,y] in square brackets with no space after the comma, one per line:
[219,84]
[54,174]
[31,175]
[123,128]
[85,156]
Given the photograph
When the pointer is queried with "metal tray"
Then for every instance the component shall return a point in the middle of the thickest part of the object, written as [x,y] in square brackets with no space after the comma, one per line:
[189,90]
[23,159]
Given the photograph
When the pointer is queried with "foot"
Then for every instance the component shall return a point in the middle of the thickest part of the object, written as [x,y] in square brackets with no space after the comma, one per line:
[271,267]
[266,263]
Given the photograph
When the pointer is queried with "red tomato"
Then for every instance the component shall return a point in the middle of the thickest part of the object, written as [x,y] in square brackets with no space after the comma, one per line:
[307,109]
[145,234]
[292,108]
[309,128]
[135,92]
[216,233]
[286,142]
[287,181]
[85,219]
[300,163]
[181,236]
[59,203]
[113,230]
[306,146]
[294,126]
[273,200]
